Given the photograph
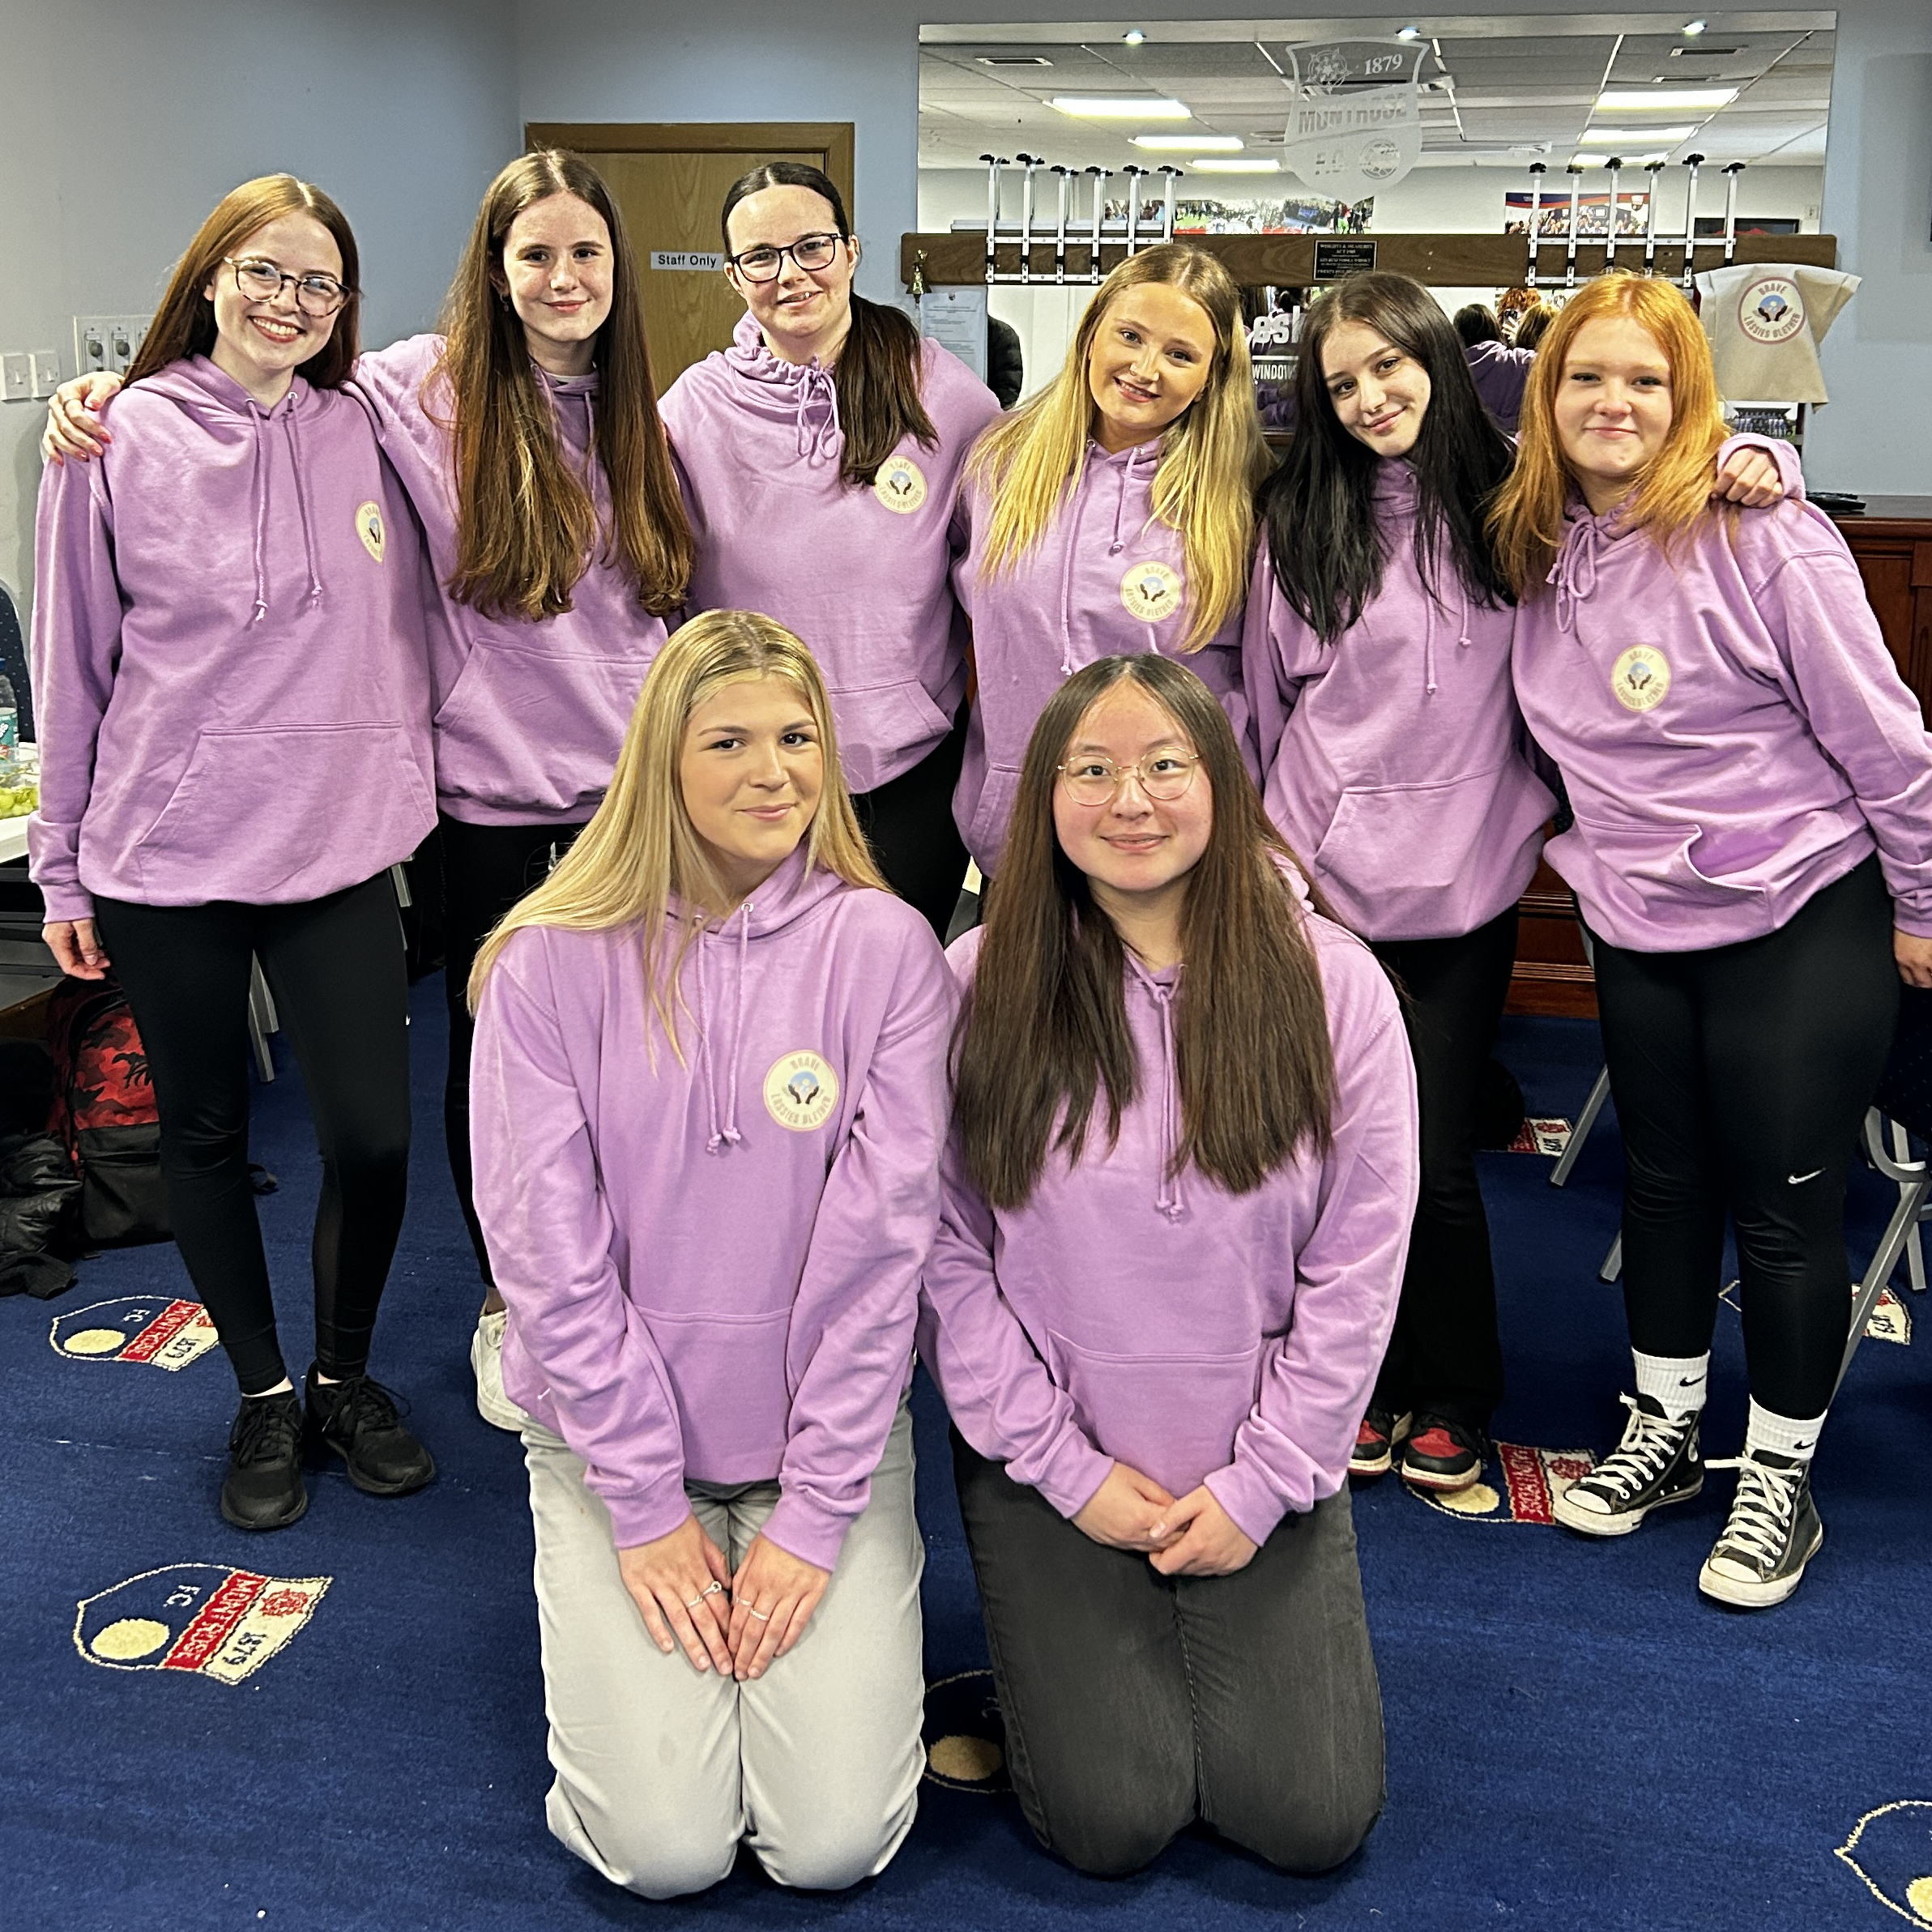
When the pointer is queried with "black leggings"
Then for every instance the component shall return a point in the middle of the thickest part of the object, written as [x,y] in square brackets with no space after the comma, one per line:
[908,822]
[486,870]
[1443,1356]
[335,967]
[1740,1075]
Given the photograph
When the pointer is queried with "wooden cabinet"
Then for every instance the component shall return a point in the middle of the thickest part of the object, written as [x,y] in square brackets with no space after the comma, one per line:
[1892,543]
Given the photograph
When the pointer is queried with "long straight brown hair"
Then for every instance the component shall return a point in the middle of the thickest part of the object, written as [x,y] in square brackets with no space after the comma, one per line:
[877,377]
[1045,1028]
[184,324]
[526,529]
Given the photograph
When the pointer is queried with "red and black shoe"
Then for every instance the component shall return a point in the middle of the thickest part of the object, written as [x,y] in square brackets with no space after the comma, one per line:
[1441,1454]
[1376,1443]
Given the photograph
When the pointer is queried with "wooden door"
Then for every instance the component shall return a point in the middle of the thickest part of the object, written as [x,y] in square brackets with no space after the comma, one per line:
[669,182]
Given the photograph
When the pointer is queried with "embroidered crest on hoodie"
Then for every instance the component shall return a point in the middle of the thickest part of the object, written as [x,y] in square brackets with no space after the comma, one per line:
[800,1091]
[368,526]
[1640,677]
[1151,591]
[900,484]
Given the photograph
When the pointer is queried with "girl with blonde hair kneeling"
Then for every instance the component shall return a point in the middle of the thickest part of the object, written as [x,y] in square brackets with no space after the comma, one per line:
[709,1101]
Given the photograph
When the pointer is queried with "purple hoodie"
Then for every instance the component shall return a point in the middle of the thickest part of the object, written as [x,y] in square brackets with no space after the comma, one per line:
[1107,578]
[710,1262]
[1397,762]
[1733,732]
[529,716]
[1501,375]
[227,653]
[1194,1335]
[859,573]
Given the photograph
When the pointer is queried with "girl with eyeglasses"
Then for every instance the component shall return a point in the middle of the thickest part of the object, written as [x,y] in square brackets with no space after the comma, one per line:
[230,683]
[526,436]
[710,1098]
[1377,657]
[1752,786]
[820,455]
[1173,1210]
[1113,513]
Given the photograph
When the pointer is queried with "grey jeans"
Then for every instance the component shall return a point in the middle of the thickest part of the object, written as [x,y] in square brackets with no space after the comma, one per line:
[662,1770]
[1135,1704]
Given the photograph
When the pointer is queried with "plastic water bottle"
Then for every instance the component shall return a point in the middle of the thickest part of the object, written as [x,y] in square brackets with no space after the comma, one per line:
[9,732]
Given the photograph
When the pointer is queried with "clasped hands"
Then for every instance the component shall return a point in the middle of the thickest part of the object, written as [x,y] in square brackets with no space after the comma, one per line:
[1188,1536]
[735,1625]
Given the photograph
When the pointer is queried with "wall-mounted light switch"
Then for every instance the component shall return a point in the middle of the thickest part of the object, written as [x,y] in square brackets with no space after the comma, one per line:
[16,378]
[46,371]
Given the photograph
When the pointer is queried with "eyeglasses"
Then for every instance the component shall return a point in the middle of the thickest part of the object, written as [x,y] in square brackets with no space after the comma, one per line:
[261,281]
[1096,781]
[809,252]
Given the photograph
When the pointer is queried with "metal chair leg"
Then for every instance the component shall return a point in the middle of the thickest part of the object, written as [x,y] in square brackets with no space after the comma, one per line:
[261,1020]
[1613,1262]
[1580,1132]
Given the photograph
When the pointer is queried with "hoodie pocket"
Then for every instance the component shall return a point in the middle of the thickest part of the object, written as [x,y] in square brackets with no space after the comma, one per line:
[1422,858]
[1171,1417]
[878,724]
[992,811]
[734,1397]
[274,814]
[1653,862]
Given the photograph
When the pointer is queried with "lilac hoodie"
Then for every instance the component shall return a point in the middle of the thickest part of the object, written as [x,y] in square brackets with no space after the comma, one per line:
[1107,578]
[529,716]
[1501,374]
[1397,762]
[710,1262]
[1193,1334]
[1732,731]
[227,653]
[859,573]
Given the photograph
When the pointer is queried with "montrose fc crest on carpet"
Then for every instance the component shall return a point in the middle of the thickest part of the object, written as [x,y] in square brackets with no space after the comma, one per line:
[150,1329]
[203,1617]
[1890,1850]
[1527,1482]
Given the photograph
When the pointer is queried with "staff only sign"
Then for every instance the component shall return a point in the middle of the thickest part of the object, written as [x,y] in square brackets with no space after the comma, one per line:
[1355,116]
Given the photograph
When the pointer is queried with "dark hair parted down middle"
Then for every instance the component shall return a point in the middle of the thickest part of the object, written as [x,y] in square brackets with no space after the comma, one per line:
[1319,507]
[1045,1028]
[877,378]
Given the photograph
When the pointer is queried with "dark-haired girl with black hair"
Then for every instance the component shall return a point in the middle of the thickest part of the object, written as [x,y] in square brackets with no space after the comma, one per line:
[820,455]
[1376,655]
[1173,1210]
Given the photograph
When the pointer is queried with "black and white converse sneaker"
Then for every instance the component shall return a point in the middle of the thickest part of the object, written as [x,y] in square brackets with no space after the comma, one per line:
[1656,1463]
[1772,1533]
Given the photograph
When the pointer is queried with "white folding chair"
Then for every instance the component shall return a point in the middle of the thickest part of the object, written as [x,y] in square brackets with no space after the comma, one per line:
[1914,1181]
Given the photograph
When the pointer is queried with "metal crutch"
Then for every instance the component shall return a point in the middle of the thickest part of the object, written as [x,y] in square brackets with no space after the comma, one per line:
[1173,175]
[1135,174]
[1653,169]
[1575,175]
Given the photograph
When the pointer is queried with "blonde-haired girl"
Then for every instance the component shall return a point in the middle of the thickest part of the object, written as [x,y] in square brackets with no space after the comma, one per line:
[1752,849]
[1112,513]
[708,1105]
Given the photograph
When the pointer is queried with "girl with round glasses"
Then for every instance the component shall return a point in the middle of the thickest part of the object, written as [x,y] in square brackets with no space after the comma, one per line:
[1113,513]
[820,454]
[234,719]
[1377,662]
[710,1096]
[526,436]
[1174,1209]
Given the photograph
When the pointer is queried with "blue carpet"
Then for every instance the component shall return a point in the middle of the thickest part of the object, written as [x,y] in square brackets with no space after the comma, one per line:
[1575,1739]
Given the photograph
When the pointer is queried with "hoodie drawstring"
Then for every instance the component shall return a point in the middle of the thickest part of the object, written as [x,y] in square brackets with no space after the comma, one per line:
[817,396]
[301,504]
[1169,1200]
[259,489]
[1574,572]
[727,1133]
[1069,555]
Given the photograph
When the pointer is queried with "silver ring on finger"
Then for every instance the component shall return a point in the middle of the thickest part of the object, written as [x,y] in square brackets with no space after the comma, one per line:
[763,1616]
[693,1602]
[710,1589]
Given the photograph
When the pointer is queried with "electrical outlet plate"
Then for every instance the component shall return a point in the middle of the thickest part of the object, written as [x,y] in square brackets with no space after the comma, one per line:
[107,342]
[16,378]
[46,371]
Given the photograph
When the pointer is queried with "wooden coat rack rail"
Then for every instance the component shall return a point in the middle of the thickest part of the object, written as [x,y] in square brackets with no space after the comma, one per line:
[957,259]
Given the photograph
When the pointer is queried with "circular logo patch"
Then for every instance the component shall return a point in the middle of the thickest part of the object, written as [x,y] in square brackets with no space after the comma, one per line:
[900,484]
[1640,677]
[368,526]
[1771,309]
[1151,591]
[800,1091]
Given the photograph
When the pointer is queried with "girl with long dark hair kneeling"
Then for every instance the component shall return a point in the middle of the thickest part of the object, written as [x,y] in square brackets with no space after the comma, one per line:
[1176,1201]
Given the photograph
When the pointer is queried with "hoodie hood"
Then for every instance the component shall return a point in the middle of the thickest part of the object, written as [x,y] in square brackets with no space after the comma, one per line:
[805,394]
[1587,541]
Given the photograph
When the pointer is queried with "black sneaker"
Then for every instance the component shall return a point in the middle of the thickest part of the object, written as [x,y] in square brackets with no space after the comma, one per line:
[1656,1463]
[1380,1430]
[264,1486]
[358,1420]
[1772,1533]
[1442,1456]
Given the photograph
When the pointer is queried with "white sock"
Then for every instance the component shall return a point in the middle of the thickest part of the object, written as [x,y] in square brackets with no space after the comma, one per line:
[1676,1382]
[1794,1436]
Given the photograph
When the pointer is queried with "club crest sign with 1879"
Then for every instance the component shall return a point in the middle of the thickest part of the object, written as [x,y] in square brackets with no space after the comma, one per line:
[1354,117]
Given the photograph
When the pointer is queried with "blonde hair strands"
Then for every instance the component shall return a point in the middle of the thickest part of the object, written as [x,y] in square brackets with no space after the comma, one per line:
[640,851]
[1212,459]
[1672,499]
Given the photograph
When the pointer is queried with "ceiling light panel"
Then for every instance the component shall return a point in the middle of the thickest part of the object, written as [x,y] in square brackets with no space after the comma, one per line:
[1207,164]
[1103,107]
[1663,100]
[1189,144]
[1628,137]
